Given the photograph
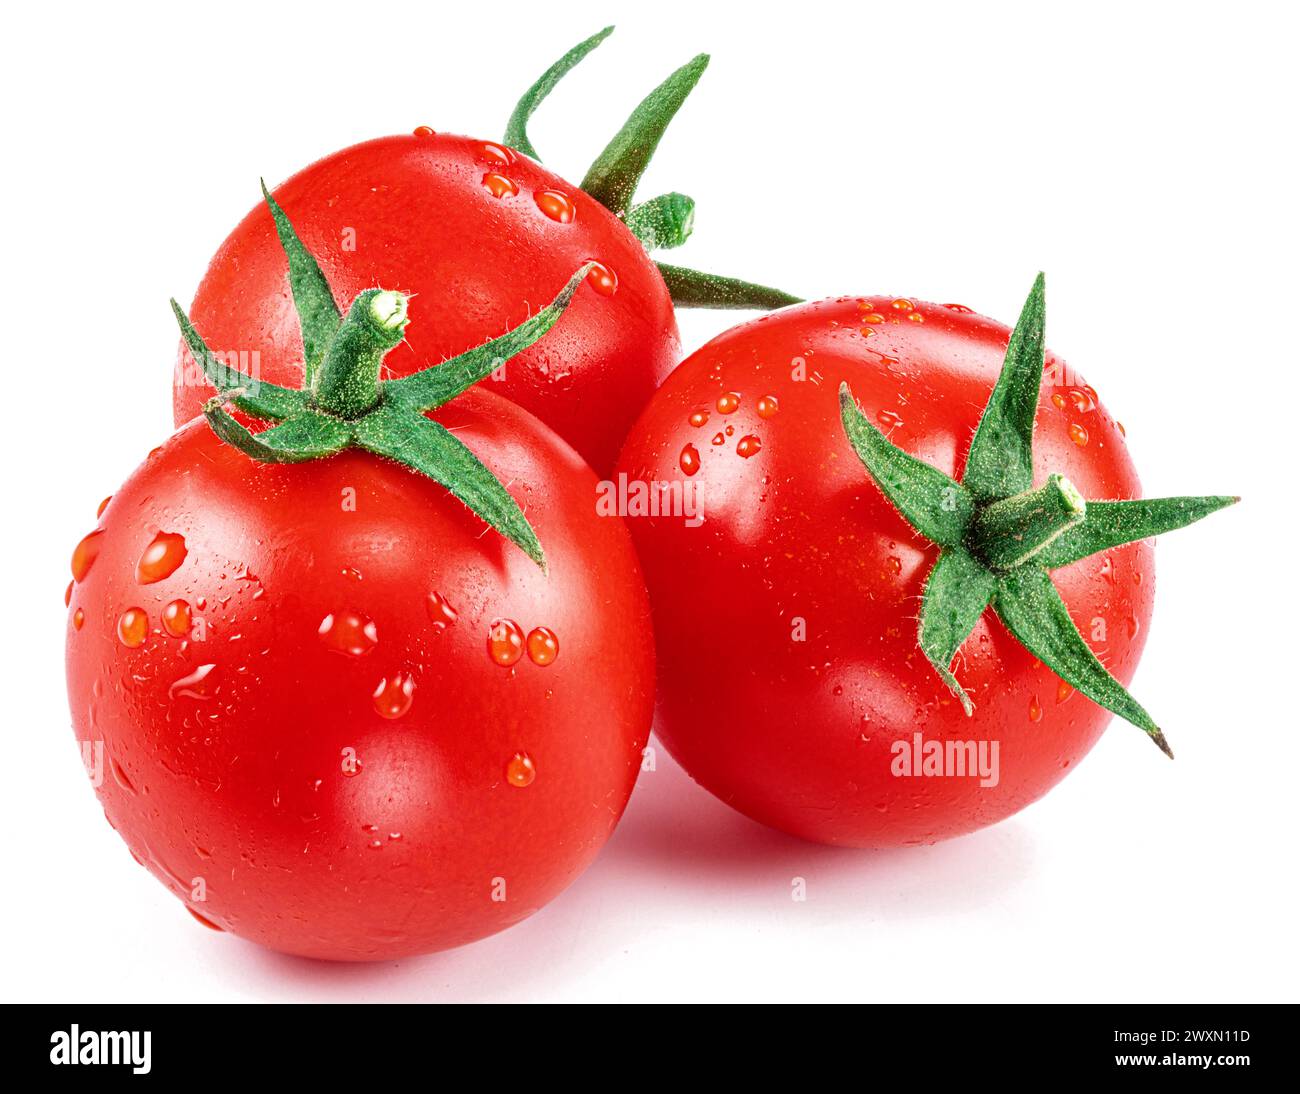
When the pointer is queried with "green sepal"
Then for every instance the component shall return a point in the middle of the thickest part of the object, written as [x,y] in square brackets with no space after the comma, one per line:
[310,435]
[1001,462]
[517,128]
[663,222]
[318,313]
[1029,605]
[251,395]
[613,178]
[429,448]
[694,289]
[1114,523]
[957,591]
[431,387]
[935,505]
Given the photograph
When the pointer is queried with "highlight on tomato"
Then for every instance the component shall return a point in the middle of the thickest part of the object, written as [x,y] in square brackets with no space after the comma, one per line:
[885,617]
[356,668]
[483,234]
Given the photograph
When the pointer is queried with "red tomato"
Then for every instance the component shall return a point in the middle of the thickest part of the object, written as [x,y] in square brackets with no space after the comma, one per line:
[791,682]
[433,216]
[338,715]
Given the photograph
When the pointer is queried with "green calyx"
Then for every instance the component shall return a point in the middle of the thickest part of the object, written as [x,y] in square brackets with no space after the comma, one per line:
[662,222]
[999,535]
[344,403]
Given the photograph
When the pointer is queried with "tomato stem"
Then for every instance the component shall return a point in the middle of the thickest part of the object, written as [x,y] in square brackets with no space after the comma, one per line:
[347,385]
[1013,530]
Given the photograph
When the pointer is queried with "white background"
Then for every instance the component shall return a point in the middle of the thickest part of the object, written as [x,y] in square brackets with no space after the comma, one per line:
[1143,155]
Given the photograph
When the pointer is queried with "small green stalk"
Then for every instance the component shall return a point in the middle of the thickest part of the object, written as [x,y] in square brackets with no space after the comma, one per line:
[661,222]
[346,405]
[999,535]
[1013,530]
[347,385]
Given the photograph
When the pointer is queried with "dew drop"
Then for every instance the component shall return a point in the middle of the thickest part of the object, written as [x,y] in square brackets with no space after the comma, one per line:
[748,446]
[394,694]
[543,646]
[1078,434]
[67,594]
[505,642]
[441,614]
[497,153]
[728,402]
[1108,569]
[1083,401]
[1063,691]
[1035,710]
[78,619]
[348,633]
[161,559]
[1058,400]
[197,685]
[767,406]
[873,318]
[133,627]
[1132,626]
[916,317]
[556,205]
[689,460]
[422,131]
[901,304]
[103,505]
[84,555]
[958,308]
[699,418]
[520,771]
[176,619]
[603,279]
[718,438]
[499,186]
[888,419]
[203,919]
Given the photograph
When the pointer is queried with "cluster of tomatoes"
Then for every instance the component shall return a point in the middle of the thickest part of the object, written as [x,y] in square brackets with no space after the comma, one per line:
[364,660]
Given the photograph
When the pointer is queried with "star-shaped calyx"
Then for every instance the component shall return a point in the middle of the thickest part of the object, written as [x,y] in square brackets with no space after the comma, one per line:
[343,403]
[999,535]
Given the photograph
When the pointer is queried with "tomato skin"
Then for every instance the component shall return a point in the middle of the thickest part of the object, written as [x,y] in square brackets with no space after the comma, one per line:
[247,788]
[422,220]
[799,734]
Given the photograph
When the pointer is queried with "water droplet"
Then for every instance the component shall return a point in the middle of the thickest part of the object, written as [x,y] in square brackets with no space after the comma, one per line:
[1078,434]
[1133,627]
[603,279]
[348,633]
[556,205]
[689,460]
[699,418]
[728,402]
[176,619]
[84,555]
[197,685]
[916,317]
[1122,431]
[203,919]
[520,771]
[895,564]
[133,627]
[120,776]
[873,318]
[888,419]
[748,446]
[78,619]
[505,643]
[67,594]
[959,308]
[497,153]
[543,646]
[499,186]
[1058,400]
[394,694]
[422,131]
[901,304]
[1063,691]
[161,558]
[1108,569]
[767,406]
[718,438]
[1083,402]
[103,505]
[441,614]
[1035,710]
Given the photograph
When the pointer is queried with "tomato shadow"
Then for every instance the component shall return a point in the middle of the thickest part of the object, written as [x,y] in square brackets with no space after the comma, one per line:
[679,860]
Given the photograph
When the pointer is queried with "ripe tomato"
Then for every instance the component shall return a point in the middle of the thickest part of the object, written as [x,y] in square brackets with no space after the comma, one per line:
[340,717]
[482,235]
[792,684]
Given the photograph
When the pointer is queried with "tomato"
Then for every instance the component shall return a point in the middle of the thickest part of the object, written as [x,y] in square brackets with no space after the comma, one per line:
[353,721]
[481,235]
[793,684]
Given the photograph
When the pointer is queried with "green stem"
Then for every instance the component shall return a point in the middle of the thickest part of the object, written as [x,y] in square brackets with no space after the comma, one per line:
[347,384]
[1011,531]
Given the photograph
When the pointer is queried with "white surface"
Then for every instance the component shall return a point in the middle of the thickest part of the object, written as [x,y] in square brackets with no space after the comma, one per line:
[1142,155]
